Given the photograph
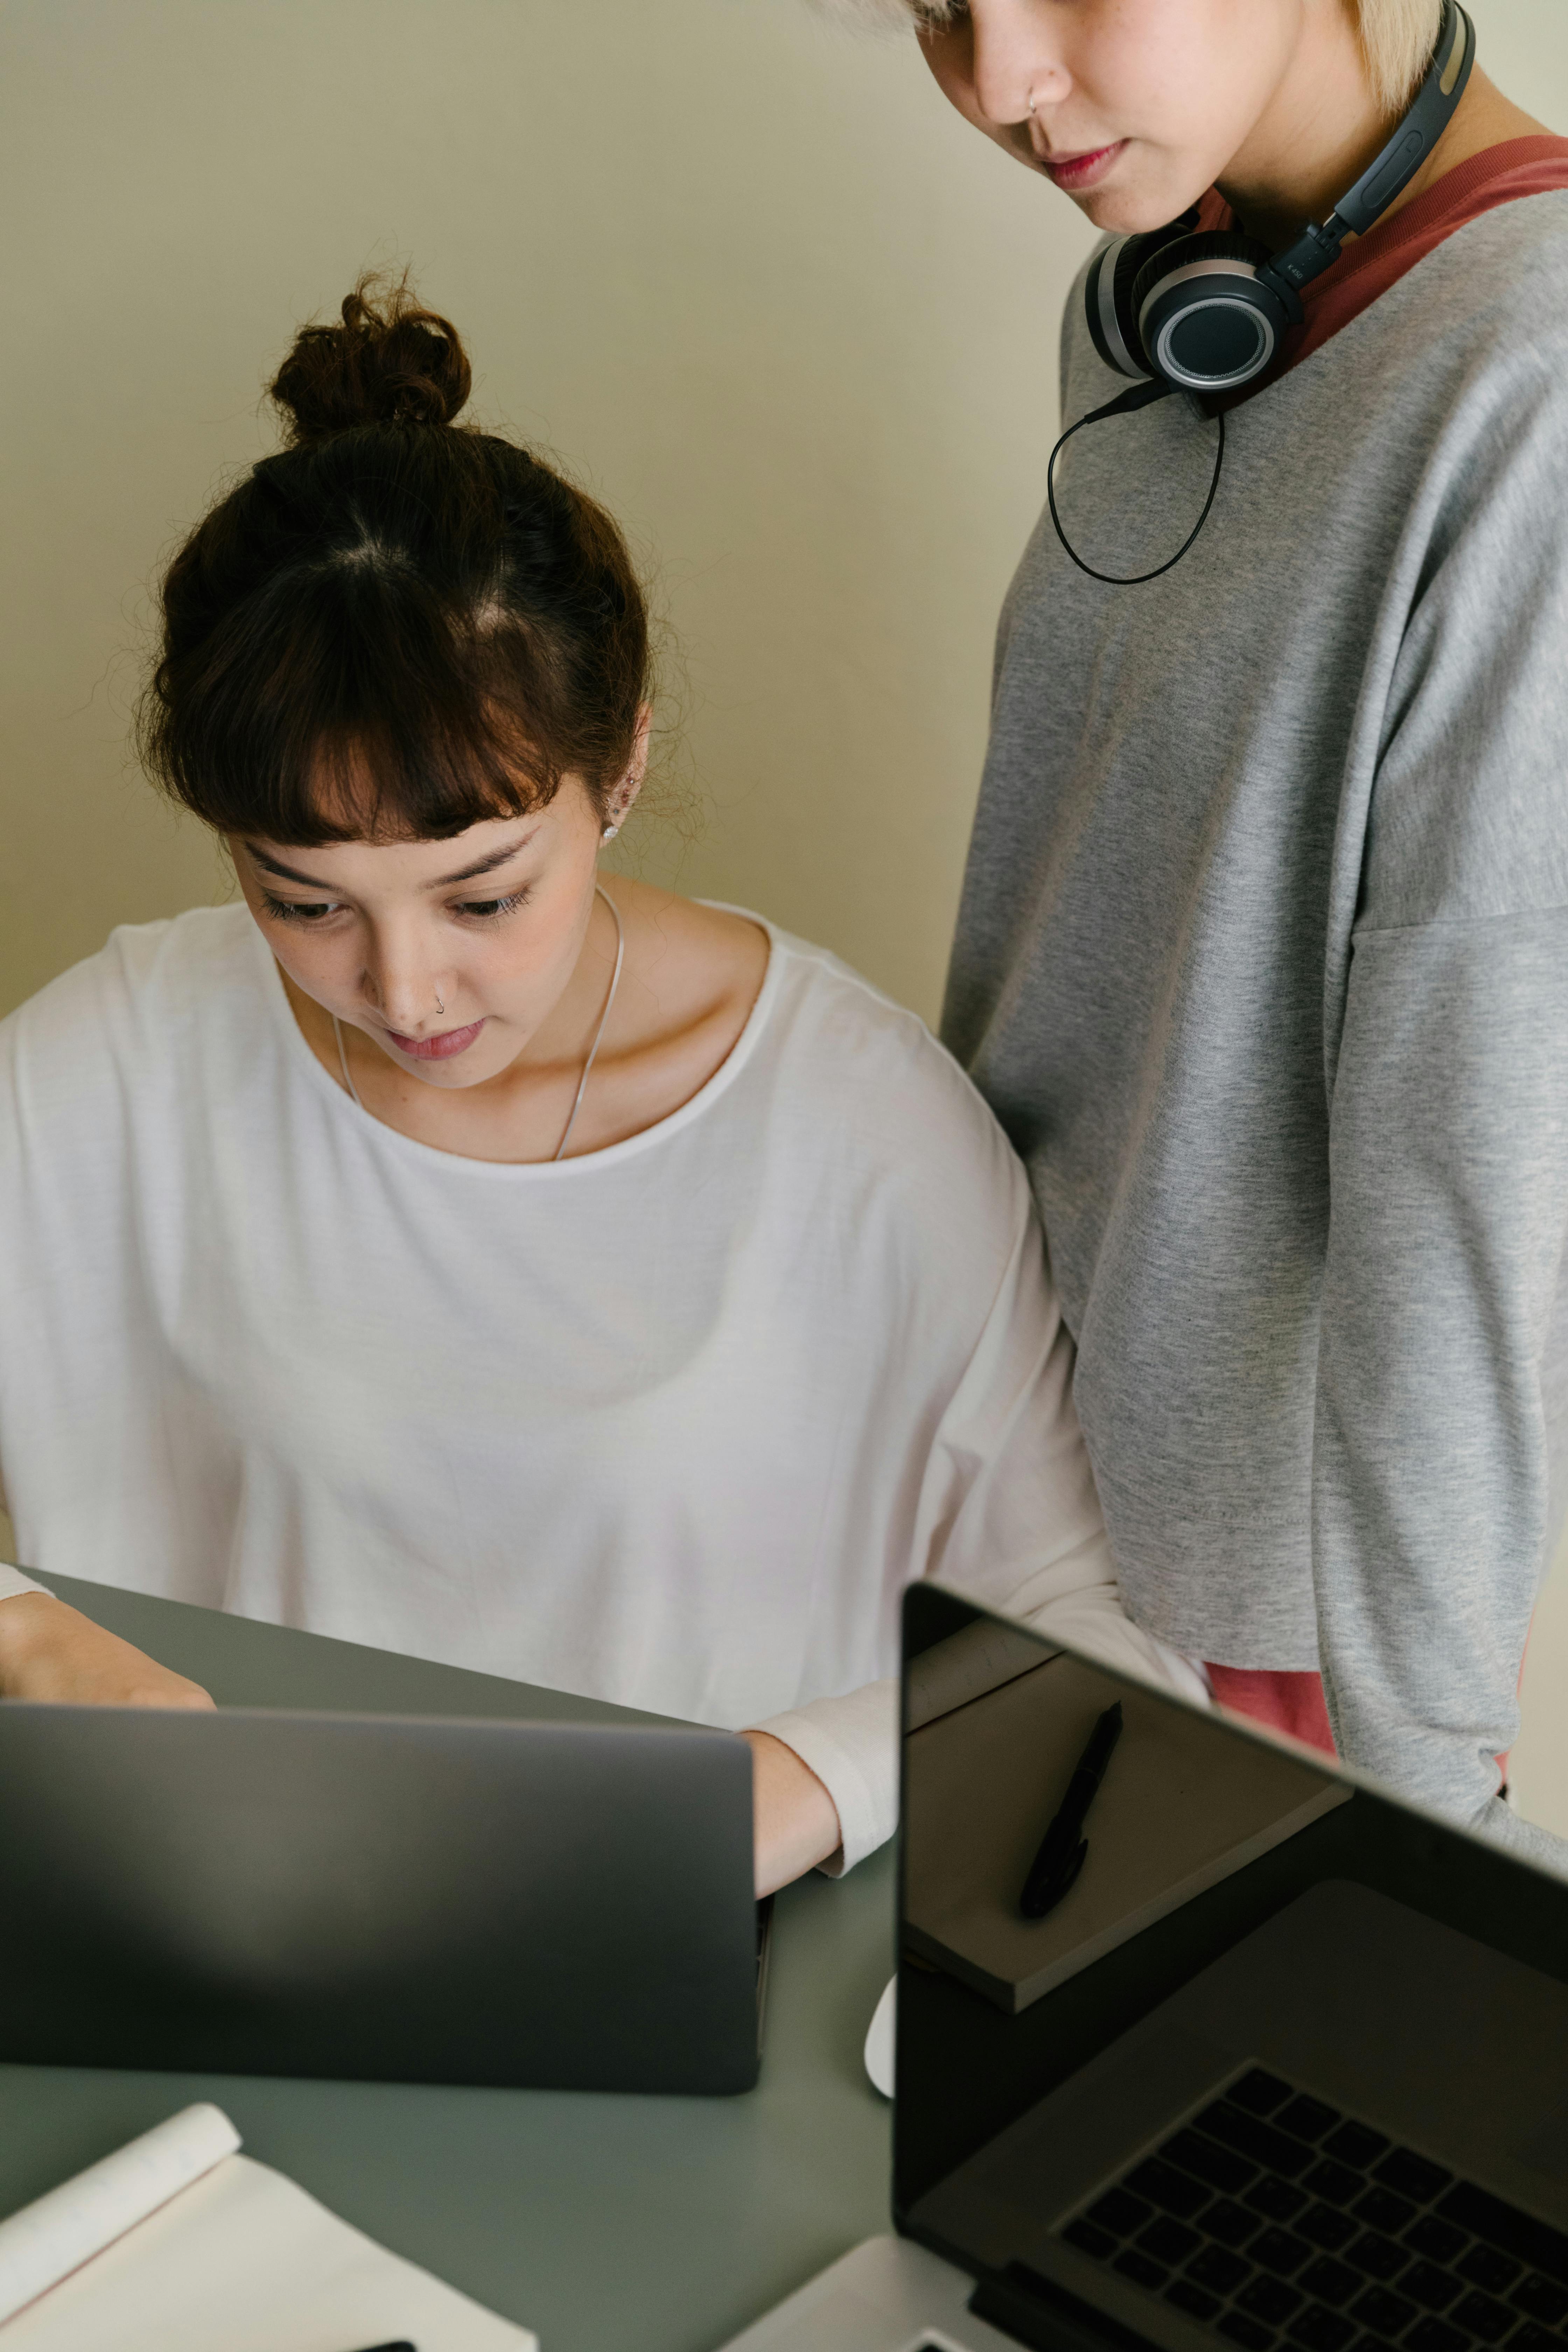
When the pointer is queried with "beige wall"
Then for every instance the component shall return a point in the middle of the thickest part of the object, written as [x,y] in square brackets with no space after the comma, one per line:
[790,318]
[743,271]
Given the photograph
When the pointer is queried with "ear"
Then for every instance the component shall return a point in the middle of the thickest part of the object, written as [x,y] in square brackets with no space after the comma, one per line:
[623,793]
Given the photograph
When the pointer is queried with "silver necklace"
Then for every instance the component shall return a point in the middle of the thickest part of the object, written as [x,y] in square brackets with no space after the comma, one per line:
[560,1150]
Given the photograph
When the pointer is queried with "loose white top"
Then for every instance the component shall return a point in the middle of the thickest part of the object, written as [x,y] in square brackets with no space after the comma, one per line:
[671,1424]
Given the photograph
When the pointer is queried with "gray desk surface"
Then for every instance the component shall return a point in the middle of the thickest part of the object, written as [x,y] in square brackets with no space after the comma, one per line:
[607,2224]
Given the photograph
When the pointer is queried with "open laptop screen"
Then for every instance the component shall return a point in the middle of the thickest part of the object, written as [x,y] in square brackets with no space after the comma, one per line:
[1259,1969]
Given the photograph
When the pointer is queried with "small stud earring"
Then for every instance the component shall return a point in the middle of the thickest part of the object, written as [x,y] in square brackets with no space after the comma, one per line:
[609,833]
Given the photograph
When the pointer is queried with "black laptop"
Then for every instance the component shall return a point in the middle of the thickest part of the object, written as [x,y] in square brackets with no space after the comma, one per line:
[556,1905]
[1208,2048]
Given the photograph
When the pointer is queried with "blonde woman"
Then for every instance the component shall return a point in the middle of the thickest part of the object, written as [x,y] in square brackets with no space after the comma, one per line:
[1263,952]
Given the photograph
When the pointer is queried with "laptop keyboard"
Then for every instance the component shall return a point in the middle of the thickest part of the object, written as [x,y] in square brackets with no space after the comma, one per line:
[1281,2220]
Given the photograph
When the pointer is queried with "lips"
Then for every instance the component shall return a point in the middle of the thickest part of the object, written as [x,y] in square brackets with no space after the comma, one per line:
[1082,171]
[439,1048]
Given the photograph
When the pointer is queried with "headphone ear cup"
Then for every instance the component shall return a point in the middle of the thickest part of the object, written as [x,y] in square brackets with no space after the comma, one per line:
[1180,253]
[1201,313]
[1109,289]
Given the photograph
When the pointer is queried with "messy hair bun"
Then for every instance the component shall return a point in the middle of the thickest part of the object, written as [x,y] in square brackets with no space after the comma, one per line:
[389,362]
[391,628]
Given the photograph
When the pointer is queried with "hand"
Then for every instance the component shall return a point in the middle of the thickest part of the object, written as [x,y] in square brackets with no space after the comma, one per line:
[50,1652]
[796,1819]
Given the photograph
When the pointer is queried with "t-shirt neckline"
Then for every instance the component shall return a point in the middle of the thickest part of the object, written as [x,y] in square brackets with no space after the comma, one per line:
[296,1046]
[1369,265]
[1447,194]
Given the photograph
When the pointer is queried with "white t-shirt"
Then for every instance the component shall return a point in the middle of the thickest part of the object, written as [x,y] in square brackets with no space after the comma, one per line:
[672,1423]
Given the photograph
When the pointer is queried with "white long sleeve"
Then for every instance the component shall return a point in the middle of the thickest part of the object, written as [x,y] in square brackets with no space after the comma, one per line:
[672,1424]
[1009,1515]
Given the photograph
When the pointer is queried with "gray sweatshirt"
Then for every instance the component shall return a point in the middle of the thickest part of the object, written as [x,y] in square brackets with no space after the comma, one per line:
[1263,962]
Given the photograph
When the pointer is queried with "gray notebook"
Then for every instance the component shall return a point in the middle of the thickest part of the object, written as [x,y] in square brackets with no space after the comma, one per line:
[1171,1819]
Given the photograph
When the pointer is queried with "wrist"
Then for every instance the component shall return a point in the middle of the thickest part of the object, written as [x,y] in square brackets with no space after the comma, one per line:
[27,1620]
[796,1821]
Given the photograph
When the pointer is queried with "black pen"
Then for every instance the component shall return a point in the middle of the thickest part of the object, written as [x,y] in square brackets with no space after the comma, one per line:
[1062,1849]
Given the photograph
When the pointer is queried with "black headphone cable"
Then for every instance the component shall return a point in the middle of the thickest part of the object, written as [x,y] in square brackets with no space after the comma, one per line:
[1141,395]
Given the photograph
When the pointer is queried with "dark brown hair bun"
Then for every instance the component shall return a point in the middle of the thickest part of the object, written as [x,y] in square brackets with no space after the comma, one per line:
[391,630]
[389,362]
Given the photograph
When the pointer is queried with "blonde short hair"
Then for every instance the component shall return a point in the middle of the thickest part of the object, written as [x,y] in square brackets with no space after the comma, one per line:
[1397,36]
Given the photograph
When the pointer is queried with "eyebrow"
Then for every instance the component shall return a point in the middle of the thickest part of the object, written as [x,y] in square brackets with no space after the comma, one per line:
[443,882]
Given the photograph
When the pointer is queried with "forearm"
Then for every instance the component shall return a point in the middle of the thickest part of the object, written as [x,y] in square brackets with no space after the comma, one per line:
[851,1743]
[849,1746]
[1008,1515]
[1430,1506]
[795,1819]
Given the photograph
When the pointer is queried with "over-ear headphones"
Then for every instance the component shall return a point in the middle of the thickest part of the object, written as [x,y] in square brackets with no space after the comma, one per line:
[1181,308]
[1206,311]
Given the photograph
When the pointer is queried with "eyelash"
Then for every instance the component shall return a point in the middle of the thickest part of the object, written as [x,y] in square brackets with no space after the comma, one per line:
[312,914]
[493,910]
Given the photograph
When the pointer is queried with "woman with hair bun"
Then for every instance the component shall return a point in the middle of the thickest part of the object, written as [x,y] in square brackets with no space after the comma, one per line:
[448,1250]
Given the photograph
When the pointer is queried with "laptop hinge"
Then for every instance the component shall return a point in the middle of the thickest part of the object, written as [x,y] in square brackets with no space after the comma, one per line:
[1039,2313]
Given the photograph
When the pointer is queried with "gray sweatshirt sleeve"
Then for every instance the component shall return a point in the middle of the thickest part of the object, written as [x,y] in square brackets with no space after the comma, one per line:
[1443,1318]
[1449,1182]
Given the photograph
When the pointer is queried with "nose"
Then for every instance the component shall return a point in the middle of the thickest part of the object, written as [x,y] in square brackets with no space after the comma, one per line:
[403,985]
[1015,60]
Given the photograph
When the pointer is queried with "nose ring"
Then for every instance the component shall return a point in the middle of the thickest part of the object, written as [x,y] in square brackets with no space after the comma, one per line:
[439,1006]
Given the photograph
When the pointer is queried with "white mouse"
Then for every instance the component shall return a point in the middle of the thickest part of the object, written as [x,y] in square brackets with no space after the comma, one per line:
[879,2039]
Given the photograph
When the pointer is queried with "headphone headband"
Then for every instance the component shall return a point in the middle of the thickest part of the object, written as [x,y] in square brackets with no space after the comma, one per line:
[1392,170]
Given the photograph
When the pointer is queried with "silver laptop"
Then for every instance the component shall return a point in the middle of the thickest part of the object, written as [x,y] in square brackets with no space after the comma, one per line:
[1203,2045]
[555,1905]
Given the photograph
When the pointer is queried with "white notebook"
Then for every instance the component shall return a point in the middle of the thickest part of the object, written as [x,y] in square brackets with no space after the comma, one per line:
[178,2244]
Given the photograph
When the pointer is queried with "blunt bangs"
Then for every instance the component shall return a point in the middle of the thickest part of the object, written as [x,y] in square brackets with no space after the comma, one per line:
[396,627]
